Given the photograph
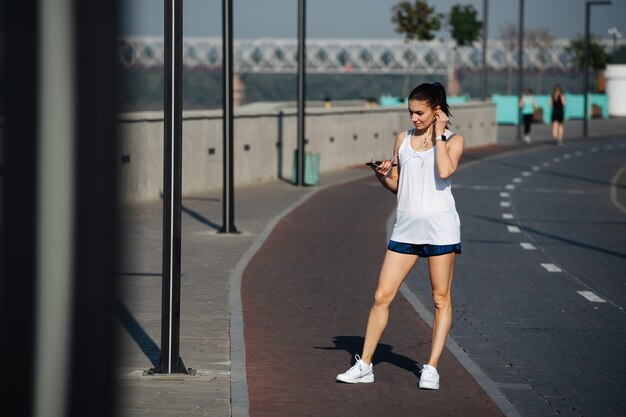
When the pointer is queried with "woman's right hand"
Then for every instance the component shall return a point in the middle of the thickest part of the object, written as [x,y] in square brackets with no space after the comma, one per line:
[383,169]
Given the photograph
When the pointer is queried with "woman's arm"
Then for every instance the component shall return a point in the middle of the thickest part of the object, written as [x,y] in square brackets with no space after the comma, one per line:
[387,174]
[448,153]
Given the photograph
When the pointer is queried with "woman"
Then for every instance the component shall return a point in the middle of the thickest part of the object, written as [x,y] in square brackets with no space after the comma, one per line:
[528,106]
[557,103]
[427,225]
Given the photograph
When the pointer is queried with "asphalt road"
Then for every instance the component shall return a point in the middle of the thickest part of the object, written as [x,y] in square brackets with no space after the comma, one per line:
[540,289]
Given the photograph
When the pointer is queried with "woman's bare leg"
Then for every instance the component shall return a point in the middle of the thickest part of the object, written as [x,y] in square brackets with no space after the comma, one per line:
[555,130]
[441,270]
[396,267]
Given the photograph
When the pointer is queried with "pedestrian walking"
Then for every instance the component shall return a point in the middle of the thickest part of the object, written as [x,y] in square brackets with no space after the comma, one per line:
[427,225]
[528,106]
[557,102]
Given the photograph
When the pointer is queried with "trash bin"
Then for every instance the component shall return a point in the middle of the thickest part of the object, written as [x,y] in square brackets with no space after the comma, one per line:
[311,168]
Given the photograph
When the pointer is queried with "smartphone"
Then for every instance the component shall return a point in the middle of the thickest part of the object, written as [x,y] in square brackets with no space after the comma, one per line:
[376,164]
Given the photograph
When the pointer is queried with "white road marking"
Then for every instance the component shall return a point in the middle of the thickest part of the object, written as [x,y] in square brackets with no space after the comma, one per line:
[505,194]
[566,156]
[513,229]
[579,153]
[526,174]
[546,164]
[592,297]
[517,180]
[551,268]
[557,160]
[509,187]
[535,168]
[507,216]
[594,149]
[475,187]
[559,191]
[614,185]
[505,204]
[528,246]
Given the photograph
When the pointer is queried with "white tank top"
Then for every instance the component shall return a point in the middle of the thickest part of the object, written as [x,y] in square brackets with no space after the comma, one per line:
[426,213]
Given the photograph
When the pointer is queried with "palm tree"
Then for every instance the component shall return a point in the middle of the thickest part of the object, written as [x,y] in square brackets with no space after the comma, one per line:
[416,21]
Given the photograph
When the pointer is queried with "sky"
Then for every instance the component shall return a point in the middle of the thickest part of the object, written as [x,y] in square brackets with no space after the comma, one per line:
[361,19]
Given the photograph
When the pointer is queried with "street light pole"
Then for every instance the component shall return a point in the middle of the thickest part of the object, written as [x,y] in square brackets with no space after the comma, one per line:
[228,189]
[483,72]
[520,67]
[301,90]
[588,5]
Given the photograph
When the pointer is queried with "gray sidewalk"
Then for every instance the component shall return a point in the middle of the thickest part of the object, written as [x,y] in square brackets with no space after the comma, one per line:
[208,259]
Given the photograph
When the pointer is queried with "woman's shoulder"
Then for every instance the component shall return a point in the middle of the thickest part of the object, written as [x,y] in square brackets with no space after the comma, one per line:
[453,135]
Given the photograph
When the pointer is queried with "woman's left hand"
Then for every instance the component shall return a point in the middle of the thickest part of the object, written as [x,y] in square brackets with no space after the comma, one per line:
[441,121]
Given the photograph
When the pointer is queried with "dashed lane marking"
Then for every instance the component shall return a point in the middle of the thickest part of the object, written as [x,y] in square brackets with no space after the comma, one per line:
[546,164]
[559,191]
[504,194]
[528,246]
[517,180]
[507,216]
[567,156]
[557,160]
[473,187]
[526,174]
[594,149]
[578,153]
[513,229]
[592,297]
[551,267]
[505,204]
[535,168]
[509,187]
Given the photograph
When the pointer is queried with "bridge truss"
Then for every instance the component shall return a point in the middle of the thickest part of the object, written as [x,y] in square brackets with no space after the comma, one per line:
[327,56]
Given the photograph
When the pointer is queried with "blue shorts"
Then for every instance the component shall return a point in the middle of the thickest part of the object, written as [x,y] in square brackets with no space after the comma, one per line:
[424,250]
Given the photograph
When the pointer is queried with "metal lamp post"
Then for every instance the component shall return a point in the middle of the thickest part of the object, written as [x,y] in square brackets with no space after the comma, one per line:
[483,72]
[520,67]
[588,5]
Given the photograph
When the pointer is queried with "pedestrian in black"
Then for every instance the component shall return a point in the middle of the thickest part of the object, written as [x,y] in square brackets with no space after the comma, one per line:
[557,102]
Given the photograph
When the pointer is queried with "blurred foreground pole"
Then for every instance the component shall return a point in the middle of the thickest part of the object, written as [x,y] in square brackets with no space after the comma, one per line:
[588,5]
[170,361]
[228,190]
[301,90]
[57,285]
[520,67]
[18,205]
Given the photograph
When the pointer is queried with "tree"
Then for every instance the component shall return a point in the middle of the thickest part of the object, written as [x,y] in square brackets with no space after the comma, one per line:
[598,57]
[508,34]
[465,30]
[415,20]
[541,39]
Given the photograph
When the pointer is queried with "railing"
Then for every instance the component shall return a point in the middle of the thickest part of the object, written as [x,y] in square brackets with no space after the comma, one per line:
[348,56]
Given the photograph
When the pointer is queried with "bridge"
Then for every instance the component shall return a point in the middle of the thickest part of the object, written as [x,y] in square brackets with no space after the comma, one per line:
[339,56]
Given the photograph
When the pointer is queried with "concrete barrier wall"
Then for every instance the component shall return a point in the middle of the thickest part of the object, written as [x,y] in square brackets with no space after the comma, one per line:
[265,141]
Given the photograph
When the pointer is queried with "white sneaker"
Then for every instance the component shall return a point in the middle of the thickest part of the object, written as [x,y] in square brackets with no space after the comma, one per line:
[429,378]
[361,372]
[527,138]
